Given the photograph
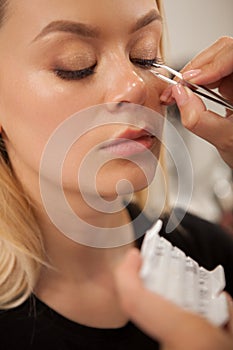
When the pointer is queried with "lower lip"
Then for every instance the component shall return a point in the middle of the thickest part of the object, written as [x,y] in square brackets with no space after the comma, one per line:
[131,147]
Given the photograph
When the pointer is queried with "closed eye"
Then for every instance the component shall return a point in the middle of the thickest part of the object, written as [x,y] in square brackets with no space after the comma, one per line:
[75,74]
[71,75]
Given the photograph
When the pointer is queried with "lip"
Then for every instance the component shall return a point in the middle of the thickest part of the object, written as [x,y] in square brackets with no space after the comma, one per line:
[130,142]
[133,134]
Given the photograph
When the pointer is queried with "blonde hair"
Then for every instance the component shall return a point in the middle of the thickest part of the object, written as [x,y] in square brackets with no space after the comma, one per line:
[21,248]
[21,245]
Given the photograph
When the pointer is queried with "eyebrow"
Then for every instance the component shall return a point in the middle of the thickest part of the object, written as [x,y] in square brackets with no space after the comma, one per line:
[69,27]
[146,19]
[89,30]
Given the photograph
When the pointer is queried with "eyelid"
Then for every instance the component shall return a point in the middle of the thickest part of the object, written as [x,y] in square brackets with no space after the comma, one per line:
[74,61]
[74,58]
[70,75]
[71,68]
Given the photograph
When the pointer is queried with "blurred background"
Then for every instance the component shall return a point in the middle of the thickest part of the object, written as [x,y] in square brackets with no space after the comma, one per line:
[192,26]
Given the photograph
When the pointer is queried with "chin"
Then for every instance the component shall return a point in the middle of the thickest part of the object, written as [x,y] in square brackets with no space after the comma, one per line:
[124,181]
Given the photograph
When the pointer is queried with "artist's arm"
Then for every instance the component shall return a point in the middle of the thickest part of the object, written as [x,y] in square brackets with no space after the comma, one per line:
[173,327]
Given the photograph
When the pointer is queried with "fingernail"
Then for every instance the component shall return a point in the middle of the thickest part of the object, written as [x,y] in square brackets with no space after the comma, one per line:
[166,95]
[190,74]
[181,94]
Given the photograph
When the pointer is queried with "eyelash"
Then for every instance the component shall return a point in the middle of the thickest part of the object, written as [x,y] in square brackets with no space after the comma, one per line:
[147,63]
[75,74]
[84,73]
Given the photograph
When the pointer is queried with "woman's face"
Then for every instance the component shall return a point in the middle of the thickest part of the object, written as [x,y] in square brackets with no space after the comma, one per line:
[61,56]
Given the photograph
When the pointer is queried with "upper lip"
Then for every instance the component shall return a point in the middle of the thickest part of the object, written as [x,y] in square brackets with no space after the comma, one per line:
[133,134]
[128,134]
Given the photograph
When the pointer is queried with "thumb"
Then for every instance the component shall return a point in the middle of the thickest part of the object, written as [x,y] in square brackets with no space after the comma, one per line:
[156,316]
[172,326]
[206,124]
[127,280]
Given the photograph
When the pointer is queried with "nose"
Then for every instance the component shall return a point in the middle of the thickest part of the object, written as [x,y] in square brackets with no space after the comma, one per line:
[126,85]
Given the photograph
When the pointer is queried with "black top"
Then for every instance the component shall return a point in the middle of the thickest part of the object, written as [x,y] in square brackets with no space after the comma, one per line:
[34,325]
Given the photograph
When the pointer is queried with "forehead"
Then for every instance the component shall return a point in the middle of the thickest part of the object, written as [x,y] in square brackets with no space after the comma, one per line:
[34,15]
[27,18]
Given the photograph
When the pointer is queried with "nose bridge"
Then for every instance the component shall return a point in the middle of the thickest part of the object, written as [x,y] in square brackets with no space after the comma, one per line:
[126,84]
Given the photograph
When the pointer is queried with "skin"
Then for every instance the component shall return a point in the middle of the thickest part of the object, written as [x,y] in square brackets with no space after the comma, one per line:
[35,101]
[215,70]
[38,86]
[158,317]
[175,328]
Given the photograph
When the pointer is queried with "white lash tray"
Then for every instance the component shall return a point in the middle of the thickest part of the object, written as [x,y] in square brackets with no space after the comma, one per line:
[168,271]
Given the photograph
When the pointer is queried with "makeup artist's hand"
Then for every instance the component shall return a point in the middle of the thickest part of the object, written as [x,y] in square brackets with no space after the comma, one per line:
[213,68]
[173,327]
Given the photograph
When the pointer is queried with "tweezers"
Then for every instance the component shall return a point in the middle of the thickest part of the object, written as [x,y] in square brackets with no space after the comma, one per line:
[197,89]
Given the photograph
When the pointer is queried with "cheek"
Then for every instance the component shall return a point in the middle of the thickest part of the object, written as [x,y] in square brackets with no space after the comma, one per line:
[155,89]
[32,107]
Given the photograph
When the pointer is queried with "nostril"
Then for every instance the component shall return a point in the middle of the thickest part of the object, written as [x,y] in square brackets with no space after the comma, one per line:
[115,106]
[121,104]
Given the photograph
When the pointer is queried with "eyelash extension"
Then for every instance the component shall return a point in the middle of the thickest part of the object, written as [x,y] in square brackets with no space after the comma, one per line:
[146,63]
[75,74]
[83,73]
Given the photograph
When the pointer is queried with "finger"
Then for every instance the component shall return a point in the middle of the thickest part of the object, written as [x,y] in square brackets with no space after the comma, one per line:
[141,305]
[127,273]
[208,53]
[158,317]
[226,87]
[230,308]
[215,62]
[166,96]
[206,124]
[161,319]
